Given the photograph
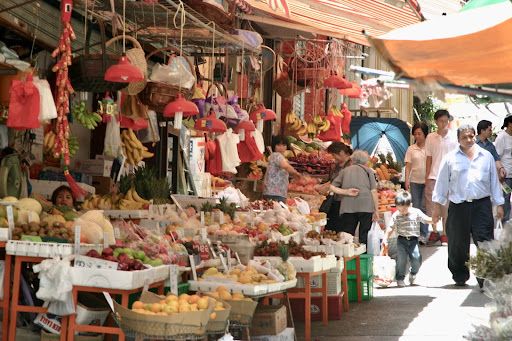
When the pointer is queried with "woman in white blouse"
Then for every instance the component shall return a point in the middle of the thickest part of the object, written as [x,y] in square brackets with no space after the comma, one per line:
[415,158]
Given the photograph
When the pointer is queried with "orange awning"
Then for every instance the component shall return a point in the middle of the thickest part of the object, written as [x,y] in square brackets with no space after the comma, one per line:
[345,19]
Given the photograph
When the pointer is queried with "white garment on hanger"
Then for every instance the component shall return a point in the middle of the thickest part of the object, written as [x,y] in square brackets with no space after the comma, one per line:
[47,109]
[260,143]
[228,150]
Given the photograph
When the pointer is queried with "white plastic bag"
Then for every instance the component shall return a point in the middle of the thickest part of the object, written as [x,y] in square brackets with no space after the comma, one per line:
[302,206]
[177,73]
[374,237]
[498,229]
[47,109]
[151,133]
[112,146]
[384,270]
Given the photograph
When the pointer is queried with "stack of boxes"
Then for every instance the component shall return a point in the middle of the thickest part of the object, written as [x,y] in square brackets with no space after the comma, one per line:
[366,278]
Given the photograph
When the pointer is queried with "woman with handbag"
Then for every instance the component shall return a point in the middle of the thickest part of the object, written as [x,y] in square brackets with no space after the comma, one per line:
[361,209]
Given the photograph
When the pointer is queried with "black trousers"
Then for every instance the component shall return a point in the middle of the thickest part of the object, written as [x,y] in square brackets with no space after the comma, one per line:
[349,223]
[333,217]
[466,220]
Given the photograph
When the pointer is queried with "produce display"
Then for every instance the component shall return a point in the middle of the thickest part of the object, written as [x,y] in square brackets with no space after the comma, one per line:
[133,149]
[386,199]
[130,201]
[385,167]
[319,163]
[272,249]
[173,304]
[241,274]
[128,259]
[90,120]
[304,185]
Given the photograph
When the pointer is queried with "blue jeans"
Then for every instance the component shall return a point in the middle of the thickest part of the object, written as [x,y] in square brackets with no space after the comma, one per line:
[506,206]
[407,249]
[418,201]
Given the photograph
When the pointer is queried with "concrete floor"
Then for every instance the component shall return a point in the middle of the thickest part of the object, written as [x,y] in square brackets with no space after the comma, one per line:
[434,309]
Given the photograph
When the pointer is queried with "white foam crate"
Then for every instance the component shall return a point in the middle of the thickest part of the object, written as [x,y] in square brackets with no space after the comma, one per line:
[45,249]
[360,250]
[246,289]
[313,264]
[329,262]
[127,214]
[114,279]
[333,283]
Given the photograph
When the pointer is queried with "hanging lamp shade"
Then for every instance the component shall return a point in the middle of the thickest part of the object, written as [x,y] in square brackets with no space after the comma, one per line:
[262,113]
[124,72]
[353,92]
[180,104]
[211,124]
[336,82]
[246,126]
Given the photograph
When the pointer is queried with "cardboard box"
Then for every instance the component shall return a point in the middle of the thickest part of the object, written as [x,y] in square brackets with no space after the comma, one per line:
[102,184]
[333,283]
[286,335]
[269,320]
[45,336]
[334,307]
[91,309]
[97,167]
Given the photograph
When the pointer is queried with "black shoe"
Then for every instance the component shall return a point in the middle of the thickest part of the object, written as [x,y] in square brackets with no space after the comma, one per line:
[480,283]
[460,284]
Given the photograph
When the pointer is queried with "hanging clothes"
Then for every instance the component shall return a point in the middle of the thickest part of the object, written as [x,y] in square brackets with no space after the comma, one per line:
[248,150]
[260,142]
[214,162]
[228,147]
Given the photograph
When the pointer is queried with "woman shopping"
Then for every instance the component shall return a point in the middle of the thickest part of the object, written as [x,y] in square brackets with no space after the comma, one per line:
[360,209]
[415,161]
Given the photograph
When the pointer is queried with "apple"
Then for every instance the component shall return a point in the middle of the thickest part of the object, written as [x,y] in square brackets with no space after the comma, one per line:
[93,253]
[107,252]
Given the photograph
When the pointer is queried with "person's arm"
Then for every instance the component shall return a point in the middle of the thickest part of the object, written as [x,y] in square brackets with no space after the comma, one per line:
[349,192]
[287,167]
[496,192]
[375,198]
[440,193]
[425,219]
[408,168]
[428,165]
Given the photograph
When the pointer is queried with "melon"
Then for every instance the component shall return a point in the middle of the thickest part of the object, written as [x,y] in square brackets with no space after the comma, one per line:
[30,204]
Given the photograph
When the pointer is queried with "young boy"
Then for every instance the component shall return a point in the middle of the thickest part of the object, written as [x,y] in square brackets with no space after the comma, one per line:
[406,221]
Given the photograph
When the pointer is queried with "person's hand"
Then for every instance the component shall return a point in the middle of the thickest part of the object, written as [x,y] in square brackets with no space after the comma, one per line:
[375,216]
[352,192]
[384,243]
[502,173]
[499,212]
[407,185]
[435,215]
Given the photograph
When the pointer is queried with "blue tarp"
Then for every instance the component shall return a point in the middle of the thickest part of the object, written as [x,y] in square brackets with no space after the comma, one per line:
[367,131]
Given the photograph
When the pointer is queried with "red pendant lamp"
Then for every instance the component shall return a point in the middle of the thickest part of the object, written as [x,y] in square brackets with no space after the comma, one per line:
[244,127]
[261,114]
[124,71]
[211,124]
[180,108]
[336,82]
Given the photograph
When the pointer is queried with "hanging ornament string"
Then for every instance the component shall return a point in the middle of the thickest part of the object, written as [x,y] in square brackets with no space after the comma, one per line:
[242,84]
[181,11]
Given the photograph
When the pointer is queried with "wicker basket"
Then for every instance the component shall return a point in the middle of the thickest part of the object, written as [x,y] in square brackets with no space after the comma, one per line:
[136,56]
[219,325]
[87,71]
[242,311]
[156,95]
[214,13]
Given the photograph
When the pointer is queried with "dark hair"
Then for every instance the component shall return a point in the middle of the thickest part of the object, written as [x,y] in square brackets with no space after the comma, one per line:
[336,147]
[420,125]
[463,128]
[441,113]
[482,125]
[59,190]
[403,199]
[506,121]
[278,140]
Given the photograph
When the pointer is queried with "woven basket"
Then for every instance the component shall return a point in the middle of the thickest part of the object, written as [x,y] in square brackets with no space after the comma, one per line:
[283,85]
[87,71]
[156,95]
[242,311]
[214,13]
[218,325]
[137,57]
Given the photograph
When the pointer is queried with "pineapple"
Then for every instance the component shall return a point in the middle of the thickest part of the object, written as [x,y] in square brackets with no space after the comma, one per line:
[286,268]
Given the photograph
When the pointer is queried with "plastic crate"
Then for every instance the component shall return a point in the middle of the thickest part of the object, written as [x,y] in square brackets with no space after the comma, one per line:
[366,267]
[366,290]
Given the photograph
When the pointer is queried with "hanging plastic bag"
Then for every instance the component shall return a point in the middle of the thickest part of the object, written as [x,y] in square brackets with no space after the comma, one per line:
[302,206]
[151,133]
[177,72]
[24,105]
[498,229]
[112,146]
[47,109]
[384,270]
[374,237]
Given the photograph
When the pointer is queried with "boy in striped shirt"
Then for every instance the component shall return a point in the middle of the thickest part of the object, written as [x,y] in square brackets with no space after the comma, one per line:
[406,222]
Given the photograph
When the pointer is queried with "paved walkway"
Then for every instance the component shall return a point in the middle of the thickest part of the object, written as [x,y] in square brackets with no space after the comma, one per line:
[434,309]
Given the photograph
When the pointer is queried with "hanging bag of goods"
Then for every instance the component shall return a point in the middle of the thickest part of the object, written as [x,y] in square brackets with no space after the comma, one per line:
[158,91]
[24,105]
[216,99]
[87,71]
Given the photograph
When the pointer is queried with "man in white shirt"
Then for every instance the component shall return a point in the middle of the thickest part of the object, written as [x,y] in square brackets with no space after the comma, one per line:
[437,145]
[469,182]
[503,144]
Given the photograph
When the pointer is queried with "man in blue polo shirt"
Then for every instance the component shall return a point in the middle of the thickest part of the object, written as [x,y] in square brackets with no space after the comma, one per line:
[484,131]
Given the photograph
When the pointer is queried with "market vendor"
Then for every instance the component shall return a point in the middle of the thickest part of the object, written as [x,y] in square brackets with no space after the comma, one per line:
[62,196]
[275,184]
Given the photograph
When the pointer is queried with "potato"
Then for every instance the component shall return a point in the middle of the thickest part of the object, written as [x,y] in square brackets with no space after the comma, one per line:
[34,227]
[17,230]
[33,233]
[25,228]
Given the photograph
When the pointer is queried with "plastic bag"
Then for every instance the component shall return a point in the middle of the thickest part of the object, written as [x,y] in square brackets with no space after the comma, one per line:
[177,72]
[374,236]
[498,229]
[302,206]
[47,109]
[24,105]
[151,133]
[112,146]
[384,270]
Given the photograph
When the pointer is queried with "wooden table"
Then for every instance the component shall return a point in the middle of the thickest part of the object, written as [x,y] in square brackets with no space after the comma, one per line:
[125,296]
[16,307]
[344,280]
[4,303]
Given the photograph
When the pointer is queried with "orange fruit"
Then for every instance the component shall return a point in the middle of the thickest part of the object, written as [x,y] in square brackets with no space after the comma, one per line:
[138,305]
[156,307]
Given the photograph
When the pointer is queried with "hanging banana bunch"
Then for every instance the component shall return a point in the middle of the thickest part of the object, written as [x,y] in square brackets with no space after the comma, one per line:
[134,150]
[90,120]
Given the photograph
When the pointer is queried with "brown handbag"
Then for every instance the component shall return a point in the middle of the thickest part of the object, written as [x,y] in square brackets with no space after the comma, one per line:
[134,108]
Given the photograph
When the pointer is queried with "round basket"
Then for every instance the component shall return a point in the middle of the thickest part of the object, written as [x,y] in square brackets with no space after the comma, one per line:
[137,57]
[156,95]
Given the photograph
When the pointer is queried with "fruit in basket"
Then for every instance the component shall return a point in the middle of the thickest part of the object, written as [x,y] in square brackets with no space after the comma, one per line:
[173,305]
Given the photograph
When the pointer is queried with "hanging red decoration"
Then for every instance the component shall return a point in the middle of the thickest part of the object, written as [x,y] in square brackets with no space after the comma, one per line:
[211,123]
[63,89]
[353,92]
[337,82]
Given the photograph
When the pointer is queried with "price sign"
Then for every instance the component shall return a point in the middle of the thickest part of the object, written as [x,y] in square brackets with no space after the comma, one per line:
[221,217]
[173,279]
[202,217]
[203,234]
[193,267]
[94,263]
[10,221]
[77,239]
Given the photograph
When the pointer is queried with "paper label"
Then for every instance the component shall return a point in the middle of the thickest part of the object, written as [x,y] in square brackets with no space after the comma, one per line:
[193,267]
[105,240]
[221,217]
[202,217]
[10,221]
[94,263]
[77,239]
[117,233]
[203,234]
[173,279]
[237,258]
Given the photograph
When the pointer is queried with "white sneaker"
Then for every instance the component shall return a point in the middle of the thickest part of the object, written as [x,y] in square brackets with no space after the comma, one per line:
[412,278]
[400,284]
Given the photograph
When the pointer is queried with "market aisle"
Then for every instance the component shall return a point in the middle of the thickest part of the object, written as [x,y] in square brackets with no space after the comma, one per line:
[432,310]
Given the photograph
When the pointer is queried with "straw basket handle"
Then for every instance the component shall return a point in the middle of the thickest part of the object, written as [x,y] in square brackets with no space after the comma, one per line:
[134,41]
[220,86]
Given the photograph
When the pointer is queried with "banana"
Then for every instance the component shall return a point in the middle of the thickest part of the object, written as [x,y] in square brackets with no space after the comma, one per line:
[137,197]
[147,155]
[134,139]
[129,196]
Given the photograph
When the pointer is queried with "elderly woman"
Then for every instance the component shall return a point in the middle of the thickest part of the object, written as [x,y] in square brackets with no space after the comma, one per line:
[361,209]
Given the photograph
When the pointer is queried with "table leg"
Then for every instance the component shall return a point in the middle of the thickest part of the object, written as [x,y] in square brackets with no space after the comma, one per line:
[72,317]
[7,294]
[358,279]
[64,328]
[307,306]
[125,299]
[344,285]
[325,302]
[15,298]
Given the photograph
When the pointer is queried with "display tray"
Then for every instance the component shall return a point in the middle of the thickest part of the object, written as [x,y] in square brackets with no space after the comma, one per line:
[246,289]
[314,264]
[127,214]
[46,249]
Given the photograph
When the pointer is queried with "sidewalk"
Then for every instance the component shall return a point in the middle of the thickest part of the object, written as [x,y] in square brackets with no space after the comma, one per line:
[434,309]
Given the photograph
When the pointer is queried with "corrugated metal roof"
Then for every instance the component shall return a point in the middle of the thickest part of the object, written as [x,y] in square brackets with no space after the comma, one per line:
[345,17]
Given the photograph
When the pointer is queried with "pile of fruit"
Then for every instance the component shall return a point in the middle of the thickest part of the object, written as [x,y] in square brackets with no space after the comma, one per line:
[134,150]
[54,232]
[90,120]
[283,229]
[262,204]
[304,145]
[306,185]
[173,304]
[222,293]
[249,275]
[314,164]
[256,172]
[130,201]
[386,200]
[272,249]
[128,259]
[385,167]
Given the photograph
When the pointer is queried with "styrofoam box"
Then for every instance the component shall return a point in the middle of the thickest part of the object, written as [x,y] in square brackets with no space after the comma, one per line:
[360,250]
[246,289]
[313,264]
[105,278]
[46,250]
[127,214]
[333,283]
[286,335]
